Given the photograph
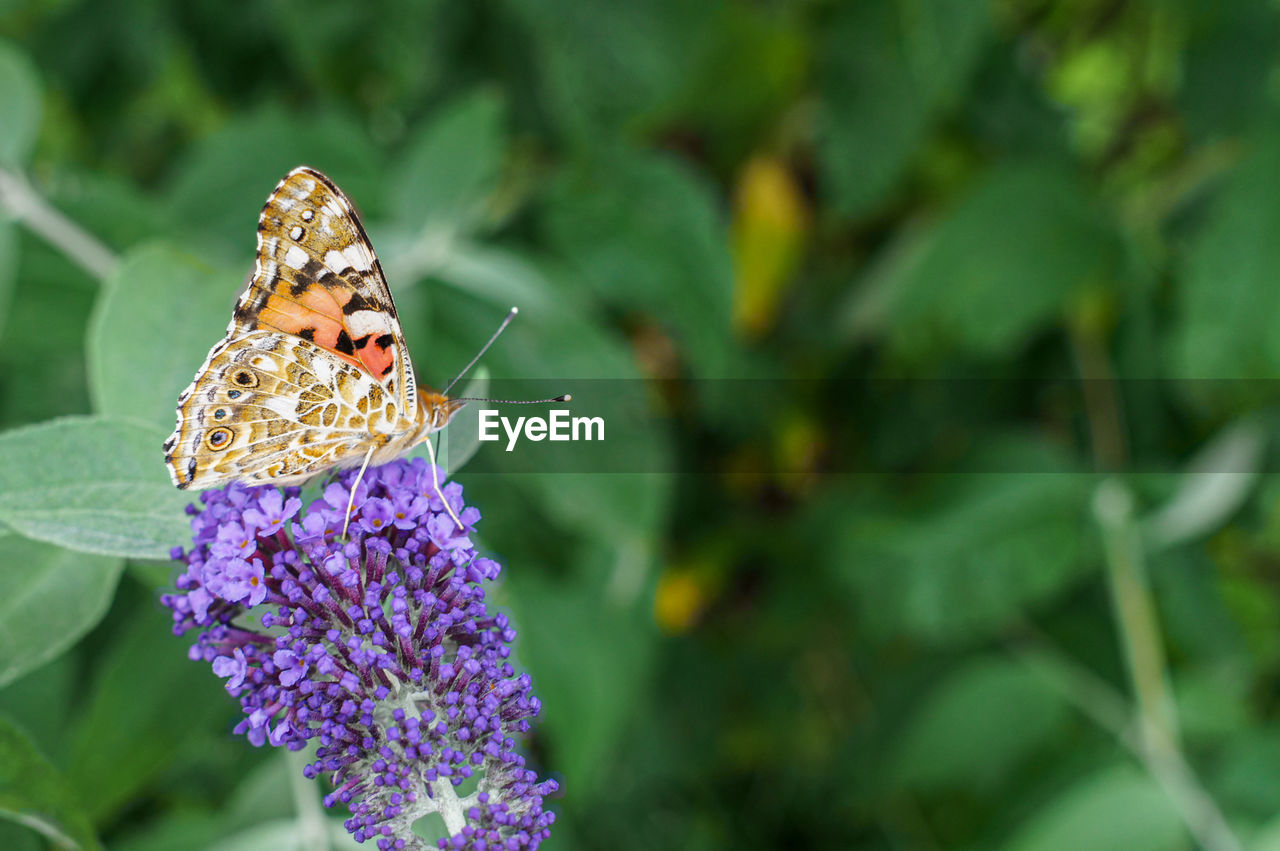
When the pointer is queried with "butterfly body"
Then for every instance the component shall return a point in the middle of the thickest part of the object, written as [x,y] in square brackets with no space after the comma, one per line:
[314,373]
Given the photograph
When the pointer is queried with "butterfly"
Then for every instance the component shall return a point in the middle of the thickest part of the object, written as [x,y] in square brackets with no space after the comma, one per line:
[313,373]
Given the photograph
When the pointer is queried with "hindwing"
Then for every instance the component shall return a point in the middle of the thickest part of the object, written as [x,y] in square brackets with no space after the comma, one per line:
[269,407]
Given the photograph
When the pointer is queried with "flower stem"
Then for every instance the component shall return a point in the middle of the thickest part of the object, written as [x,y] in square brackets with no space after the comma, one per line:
[82,248]
[450,805]
[1134,609]
[1156,739]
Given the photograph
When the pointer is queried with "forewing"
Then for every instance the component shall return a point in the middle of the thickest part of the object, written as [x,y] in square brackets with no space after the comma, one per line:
[317,277]
[269,407]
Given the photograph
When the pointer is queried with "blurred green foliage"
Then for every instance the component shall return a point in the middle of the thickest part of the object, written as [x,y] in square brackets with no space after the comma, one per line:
[919,596]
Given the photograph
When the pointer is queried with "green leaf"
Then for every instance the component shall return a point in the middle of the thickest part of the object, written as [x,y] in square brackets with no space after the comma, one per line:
[19,106]
[605,69]
[1002,265]
[460,442]
[1225,65]
[981,722]
[644,233]
[8,270]
[451,166]
[287,835]
[266,793]
[1216,483]
[887,70]
[15,837]
[1247,769]
[218,193]
[33,793]
[405,54]
[111,207]
[1116,809]
[1213,703]
[588,652]
[1267,839]
[49,598]
[501,277]
[160,300]
[864,316]
[92,484]
[974,559]
[750,67]
[42,345]
[1228,299]
[132,731]
[179,828]
[40,702]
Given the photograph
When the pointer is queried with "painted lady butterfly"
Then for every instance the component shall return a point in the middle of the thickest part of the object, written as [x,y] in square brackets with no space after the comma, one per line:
[313,373]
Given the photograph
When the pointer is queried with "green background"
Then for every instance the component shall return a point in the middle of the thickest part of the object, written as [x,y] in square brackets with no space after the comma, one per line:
[930,591]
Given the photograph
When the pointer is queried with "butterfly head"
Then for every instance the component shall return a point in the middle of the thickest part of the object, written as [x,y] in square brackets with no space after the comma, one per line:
[435,410]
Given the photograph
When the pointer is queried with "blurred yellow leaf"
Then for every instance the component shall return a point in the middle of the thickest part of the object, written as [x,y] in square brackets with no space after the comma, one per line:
[797,452]
[678,601]
[770,222]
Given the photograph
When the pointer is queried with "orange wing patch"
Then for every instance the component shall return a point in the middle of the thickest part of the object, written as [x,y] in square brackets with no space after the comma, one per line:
[317,277]
[317,315]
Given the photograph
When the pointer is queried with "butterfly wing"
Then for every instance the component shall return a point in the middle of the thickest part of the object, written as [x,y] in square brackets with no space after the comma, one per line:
[317,277]
[270,407]
[314,367]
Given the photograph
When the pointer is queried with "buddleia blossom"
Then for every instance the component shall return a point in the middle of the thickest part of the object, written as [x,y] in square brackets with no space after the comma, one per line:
[379,646]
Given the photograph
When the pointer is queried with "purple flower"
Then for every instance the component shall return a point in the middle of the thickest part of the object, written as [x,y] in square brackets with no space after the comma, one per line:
[272,511]
[234,540]
[291,666]
[234,666]
[377,514]
[407,509]
[380,647]
[236,579]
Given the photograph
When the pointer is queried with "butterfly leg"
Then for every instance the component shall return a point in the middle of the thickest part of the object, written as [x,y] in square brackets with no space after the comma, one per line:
[435,483]
[351,501]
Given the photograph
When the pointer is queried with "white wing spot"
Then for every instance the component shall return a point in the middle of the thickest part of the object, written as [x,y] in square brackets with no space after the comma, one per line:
[358,258]
[296,232]
[364,322]
[295,257]
[336,260]
[308,215]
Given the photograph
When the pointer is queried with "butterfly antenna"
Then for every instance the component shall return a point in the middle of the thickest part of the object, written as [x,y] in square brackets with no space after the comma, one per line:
[565,398]
[483,349]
